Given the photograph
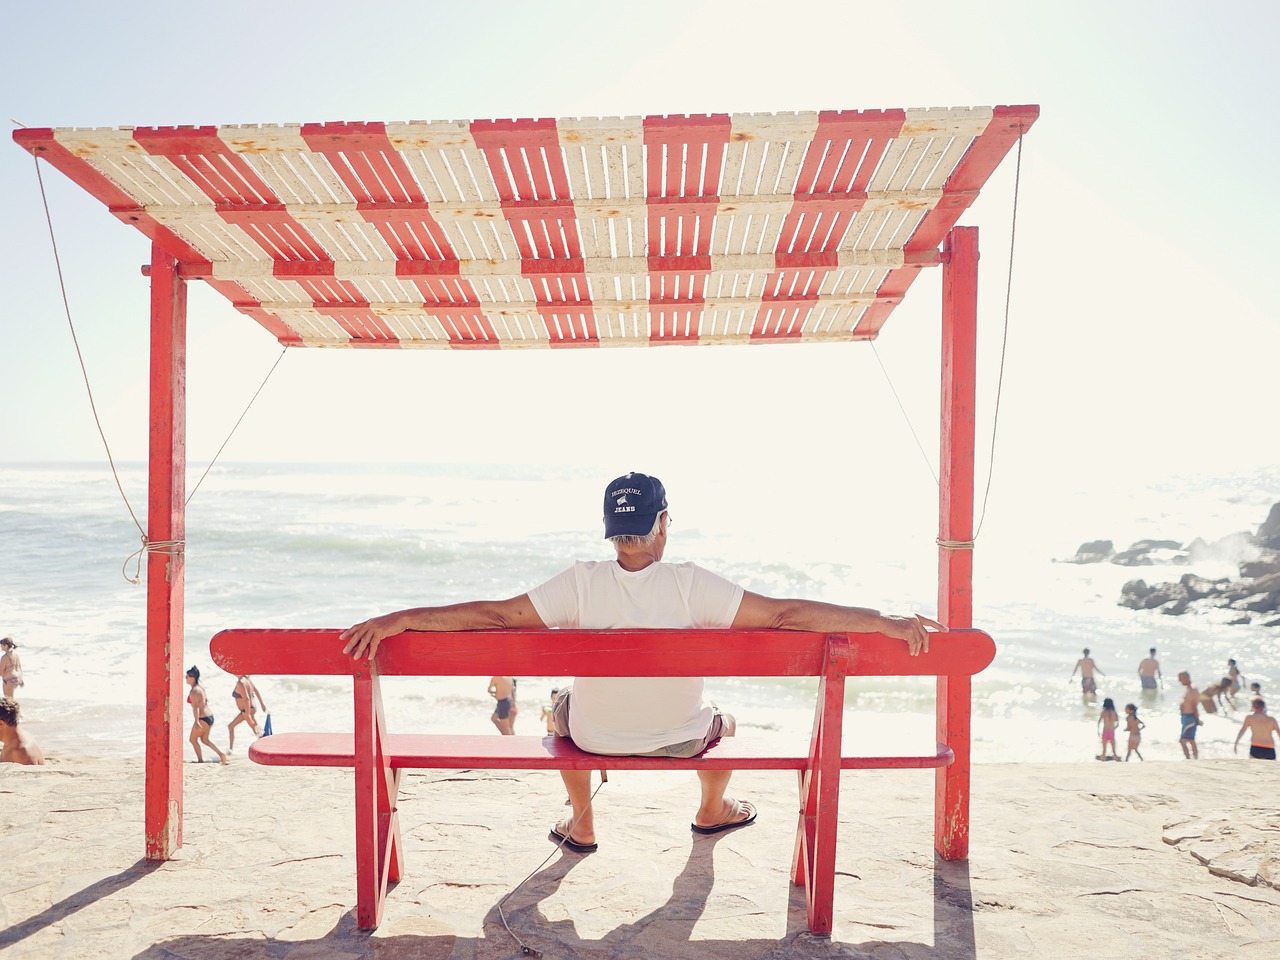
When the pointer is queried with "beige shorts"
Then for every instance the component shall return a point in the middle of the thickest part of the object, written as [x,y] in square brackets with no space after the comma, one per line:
[722,725]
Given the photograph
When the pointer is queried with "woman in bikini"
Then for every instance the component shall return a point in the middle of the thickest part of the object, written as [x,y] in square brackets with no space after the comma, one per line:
[247,699]
[199,701]
[11,668]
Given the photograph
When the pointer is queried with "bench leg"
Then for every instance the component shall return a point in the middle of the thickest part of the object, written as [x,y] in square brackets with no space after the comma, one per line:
[951,784]
[814,863]
[379,848]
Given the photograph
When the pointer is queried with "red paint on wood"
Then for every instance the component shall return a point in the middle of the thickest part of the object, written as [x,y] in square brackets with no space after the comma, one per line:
[379,857]
[683,158]
[527,165]
[955,524]
[443,751]
[166,521]
[377,757]
[597,653]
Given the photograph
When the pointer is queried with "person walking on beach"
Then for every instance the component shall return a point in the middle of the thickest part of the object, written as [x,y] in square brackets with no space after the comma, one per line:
[1148,670]
[1263,730]
[203,724]
[1190,718]
[247,699]
[622,716]
[1108,720]
[1087,668]
[503,689]
[15,745]
[1134,726]
[11,668]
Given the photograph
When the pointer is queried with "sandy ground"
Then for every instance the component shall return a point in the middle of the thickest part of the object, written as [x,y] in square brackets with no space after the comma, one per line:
[1088,860]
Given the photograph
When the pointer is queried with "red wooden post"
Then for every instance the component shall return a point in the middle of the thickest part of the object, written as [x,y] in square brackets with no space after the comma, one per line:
[166,524]
[955,529]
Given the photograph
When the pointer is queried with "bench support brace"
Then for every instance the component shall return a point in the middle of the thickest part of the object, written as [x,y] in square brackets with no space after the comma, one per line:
[815,854]
[379,849]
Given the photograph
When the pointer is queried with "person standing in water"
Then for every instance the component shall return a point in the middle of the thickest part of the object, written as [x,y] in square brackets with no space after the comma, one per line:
[1263,730]
[1149,670]
[1087,668]
[199,701]
[1190,718]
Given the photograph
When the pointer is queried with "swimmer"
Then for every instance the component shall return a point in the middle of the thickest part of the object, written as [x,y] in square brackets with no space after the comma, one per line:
[1190,718]
[1263,731]
[1087,668]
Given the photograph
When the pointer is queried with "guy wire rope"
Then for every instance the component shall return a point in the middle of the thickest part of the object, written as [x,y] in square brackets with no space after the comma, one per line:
[1004,347]
[148,546]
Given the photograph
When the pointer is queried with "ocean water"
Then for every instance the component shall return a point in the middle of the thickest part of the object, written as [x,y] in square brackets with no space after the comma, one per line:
[305,545]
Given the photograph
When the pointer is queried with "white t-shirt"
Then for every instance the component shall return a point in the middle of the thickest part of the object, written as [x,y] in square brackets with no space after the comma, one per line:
[624,715]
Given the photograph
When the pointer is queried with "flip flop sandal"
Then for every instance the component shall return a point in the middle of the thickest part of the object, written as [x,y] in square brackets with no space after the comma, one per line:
[731,823]
[559,838]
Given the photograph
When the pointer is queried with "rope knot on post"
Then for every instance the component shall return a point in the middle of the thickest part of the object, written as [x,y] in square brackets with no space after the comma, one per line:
[169,548]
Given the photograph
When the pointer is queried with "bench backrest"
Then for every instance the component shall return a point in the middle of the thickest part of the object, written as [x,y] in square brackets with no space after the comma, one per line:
[600,653]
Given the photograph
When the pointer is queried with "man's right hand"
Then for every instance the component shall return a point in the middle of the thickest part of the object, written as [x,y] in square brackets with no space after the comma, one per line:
[363,638]
[912,630]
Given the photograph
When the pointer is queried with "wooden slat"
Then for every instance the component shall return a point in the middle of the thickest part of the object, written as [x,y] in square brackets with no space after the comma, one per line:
[627,228]
[474,751]
[639,653]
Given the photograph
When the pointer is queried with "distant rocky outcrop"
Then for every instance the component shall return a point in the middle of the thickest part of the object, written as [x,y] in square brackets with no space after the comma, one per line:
[1256,594]
[1144,553]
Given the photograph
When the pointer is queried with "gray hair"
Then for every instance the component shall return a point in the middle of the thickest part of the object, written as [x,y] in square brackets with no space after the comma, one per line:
[623,540]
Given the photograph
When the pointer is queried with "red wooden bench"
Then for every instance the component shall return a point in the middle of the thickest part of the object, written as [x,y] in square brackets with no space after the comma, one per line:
[379,757]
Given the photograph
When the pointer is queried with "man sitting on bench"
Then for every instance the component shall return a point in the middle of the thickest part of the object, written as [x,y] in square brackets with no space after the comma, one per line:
[628,716]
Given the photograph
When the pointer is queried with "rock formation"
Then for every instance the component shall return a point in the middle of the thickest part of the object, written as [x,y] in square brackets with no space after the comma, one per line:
[1256,594]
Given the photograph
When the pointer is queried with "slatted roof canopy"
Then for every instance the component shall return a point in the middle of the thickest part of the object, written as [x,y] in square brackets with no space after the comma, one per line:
[631,231]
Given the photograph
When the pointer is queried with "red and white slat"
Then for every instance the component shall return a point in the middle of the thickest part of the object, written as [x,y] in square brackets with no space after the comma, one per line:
[744,228]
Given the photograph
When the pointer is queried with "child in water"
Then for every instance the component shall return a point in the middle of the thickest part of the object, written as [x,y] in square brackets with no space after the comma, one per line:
[1134,726]
[1108,720]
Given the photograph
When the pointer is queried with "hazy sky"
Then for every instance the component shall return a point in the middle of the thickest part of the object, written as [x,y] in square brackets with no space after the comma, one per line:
[1144,332]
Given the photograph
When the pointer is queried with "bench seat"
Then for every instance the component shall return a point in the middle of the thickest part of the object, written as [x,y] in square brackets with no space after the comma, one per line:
[486,752]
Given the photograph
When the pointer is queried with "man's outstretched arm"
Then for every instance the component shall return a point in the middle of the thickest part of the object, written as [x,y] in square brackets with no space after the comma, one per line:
[757,612]
[514,614]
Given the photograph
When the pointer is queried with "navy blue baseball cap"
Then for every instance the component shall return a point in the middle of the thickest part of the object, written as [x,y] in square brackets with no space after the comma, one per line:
[632,504]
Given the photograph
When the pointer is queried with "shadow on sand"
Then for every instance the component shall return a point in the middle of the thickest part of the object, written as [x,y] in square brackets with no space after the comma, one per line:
[665,932]
[57,912]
